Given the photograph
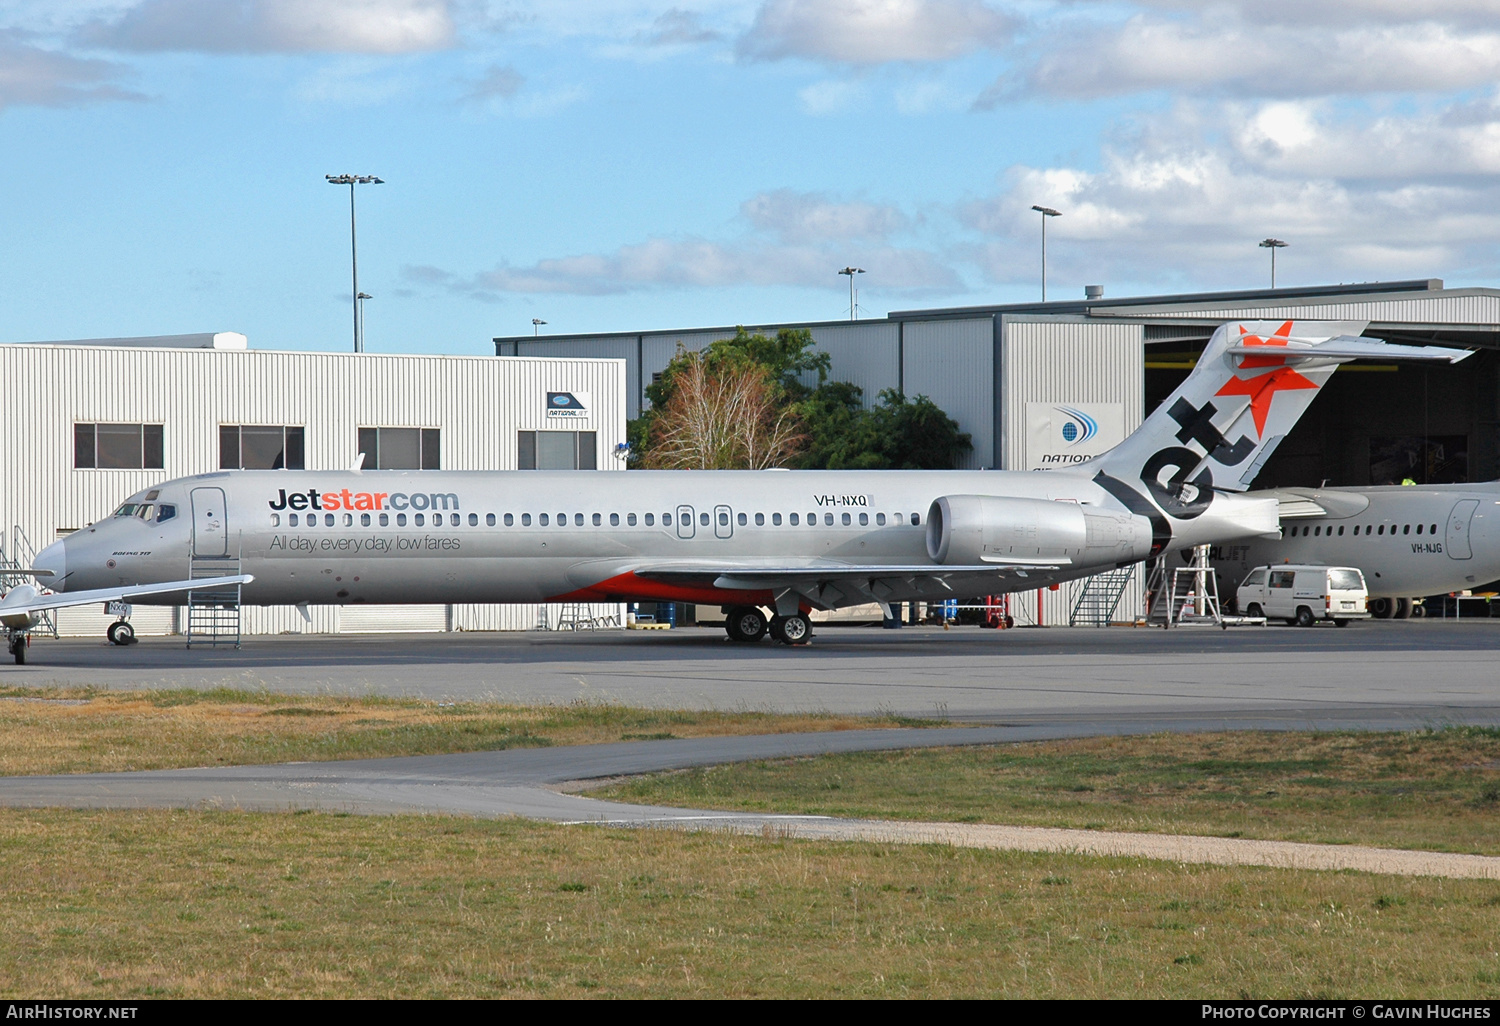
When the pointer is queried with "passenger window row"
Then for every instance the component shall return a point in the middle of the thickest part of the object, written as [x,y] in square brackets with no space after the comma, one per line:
[1318,530]
[578,519]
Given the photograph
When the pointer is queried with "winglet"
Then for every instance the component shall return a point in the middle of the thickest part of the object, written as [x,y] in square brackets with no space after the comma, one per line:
[358,464]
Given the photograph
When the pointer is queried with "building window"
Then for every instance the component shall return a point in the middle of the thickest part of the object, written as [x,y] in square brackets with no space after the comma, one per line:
[392,448]
[118,447]
[260,447]
[557,450]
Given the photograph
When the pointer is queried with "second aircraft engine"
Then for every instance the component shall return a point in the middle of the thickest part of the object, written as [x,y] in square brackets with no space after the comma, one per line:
[971,530]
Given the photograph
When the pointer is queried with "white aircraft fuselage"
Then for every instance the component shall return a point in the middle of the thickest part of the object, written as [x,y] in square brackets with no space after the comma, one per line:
[385,537]
[1409,541]
[789,541]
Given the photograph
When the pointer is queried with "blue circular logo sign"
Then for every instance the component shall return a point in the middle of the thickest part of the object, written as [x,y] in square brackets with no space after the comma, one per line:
[560,400]
[1070,431]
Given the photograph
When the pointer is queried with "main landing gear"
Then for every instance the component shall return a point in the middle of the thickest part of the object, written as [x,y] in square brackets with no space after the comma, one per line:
[749,624]
[121,633]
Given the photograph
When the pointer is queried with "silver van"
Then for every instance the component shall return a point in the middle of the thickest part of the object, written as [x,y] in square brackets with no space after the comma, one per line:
[1303,594]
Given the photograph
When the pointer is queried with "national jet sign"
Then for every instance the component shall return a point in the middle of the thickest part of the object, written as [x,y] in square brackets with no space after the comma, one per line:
[1062,434]
[567,405]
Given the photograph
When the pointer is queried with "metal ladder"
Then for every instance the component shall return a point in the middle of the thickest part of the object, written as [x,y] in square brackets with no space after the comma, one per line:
[1100,597]
[1195,594]
[22,556]
[213,614]
[1158,600]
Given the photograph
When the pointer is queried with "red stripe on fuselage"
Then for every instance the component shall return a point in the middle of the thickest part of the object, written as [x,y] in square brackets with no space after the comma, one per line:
[630,588]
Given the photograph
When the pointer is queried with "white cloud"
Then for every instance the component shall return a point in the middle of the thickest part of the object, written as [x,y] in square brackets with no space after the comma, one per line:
[1236,56]
[795,239]
[829,96]
[499,82]
[873,31]
[677,27]
[33,76]
[277,26]
[802,217]
[696,263]
[1390,198]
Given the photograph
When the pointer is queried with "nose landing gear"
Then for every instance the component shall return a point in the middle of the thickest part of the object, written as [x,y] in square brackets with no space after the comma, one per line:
[121,633]
[17,645]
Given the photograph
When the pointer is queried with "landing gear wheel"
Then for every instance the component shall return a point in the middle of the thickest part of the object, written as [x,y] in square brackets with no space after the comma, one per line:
[1304,617]
[792,630]
[745,623]
[1382,608]
[1342,623]
[1403,608]
[121,633]
[18,648]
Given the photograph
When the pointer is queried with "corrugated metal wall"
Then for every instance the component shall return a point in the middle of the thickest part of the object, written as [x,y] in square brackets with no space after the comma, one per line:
[1067,362]
[952,363]
[1055,361]
[479,403]
[1455,306]
[609,348]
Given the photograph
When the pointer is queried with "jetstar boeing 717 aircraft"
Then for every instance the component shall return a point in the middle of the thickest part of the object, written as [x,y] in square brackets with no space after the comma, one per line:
[752,541]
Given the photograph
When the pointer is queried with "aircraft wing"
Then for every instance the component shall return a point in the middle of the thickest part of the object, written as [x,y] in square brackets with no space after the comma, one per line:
[34,603]
[828,586]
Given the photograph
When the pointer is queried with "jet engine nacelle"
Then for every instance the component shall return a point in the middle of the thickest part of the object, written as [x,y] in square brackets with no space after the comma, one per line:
[970,530]
[19,621]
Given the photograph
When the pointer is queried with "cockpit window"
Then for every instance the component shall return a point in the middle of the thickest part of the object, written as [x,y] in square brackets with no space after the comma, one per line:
[127,510]
[165,512]
[144,511]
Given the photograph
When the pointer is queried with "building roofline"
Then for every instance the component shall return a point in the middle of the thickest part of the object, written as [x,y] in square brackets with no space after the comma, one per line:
[1127,306]
[1201,299]
[654,333]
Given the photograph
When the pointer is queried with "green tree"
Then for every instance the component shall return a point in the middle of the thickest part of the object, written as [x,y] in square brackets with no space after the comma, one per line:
[897,433]
[783,364]
[698,415]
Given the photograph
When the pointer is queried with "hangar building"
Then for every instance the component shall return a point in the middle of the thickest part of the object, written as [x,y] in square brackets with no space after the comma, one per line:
[1017,376]
[88,423]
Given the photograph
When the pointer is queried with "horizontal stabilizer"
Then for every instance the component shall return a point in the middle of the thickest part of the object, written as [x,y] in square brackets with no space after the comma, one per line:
[1344,347]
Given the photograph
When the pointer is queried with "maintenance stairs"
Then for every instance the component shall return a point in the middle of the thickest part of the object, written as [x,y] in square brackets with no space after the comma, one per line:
[21,555]
[1100,598]
[213,614]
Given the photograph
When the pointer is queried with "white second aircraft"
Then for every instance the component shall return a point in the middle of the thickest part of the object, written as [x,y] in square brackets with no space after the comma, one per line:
[1409,541]
[751,541]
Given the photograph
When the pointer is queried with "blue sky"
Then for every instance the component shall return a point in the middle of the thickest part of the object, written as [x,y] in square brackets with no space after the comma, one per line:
[622,165]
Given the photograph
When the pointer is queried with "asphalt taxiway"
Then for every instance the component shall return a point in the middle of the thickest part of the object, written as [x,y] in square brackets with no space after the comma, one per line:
[1387,674]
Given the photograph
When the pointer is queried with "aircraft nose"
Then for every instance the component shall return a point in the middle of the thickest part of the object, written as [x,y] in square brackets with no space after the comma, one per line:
[55,558]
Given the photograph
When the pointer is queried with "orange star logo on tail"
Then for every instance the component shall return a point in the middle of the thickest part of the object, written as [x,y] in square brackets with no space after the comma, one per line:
[1263,389]
[1280,338]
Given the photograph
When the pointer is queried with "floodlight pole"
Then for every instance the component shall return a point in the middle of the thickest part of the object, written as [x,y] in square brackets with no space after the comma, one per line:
[1046,212]
[536,326]
[851,272]
[1273,245]
[352,181]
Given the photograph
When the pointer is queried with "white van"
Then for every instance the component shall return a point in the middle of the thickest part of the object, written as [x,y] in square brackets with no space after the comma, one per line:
[1303,594]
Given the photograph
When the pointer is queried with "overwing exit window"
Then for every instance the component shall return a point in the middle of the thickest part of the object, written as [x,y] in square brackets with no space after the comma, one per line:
[392,448]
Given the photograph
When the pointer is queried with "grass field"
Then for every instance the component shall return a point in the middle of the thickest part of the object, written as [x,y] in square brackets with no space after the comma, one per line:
[209,904]
[1435,790]
[84,731]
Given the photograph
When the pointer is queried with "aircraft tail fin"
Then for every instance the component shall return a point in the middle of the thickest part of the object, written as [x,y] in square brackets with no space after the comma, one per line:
[1252,383]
